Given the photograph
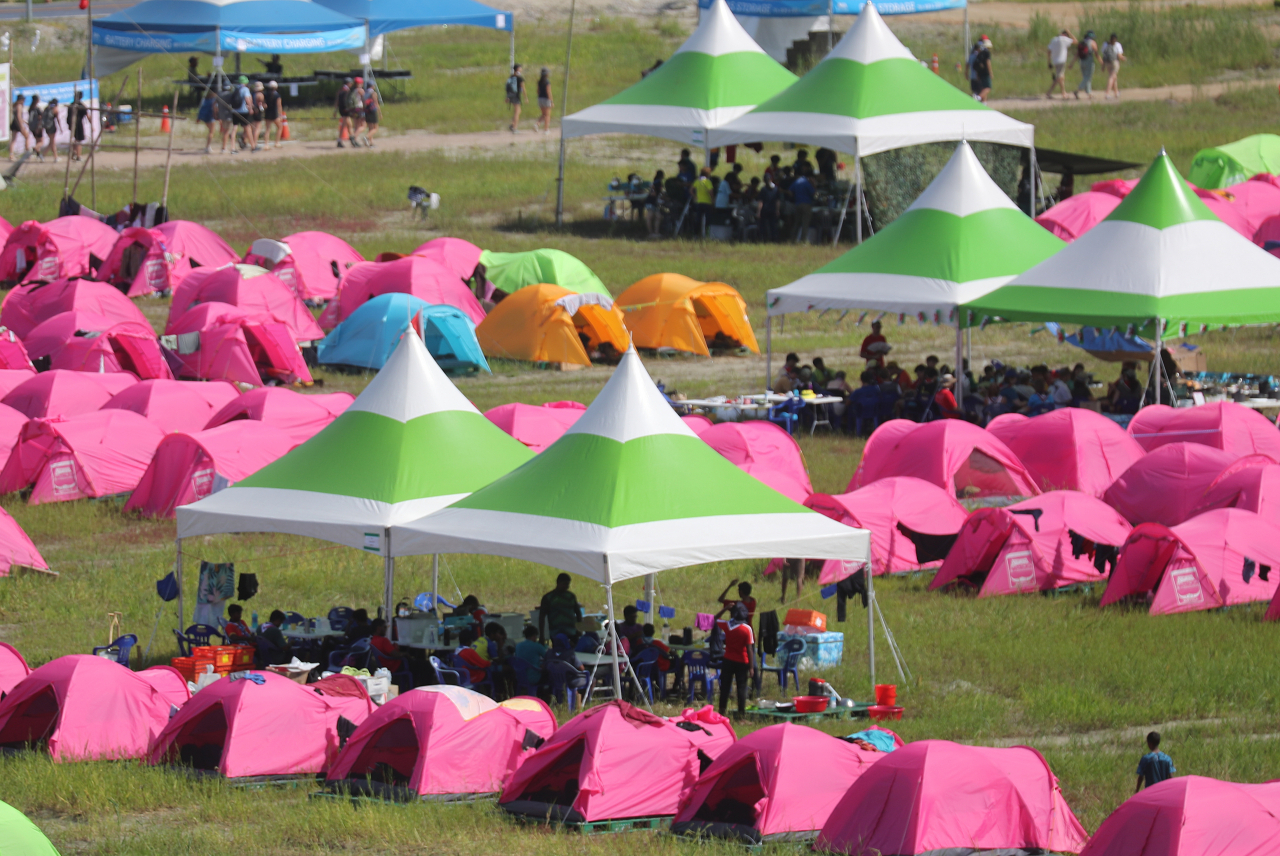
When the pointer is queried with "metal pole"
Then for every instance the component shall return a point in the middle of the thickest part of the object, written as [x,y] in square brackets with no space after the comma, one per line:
[29,18]
[651,595]
[512,54]
[93,165]
[968,343]
[959,359]
[1159,357]
[389,576]
[857,175]
[177,546]
[613,631]
[435,583]
[168,157]
[137,137]
[564,109]
[965,47]
[871,627]
[844,210]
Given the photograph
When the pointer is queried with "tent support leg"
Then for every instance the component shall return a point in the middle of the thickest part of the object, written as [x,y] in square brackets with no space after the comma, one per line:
[871,627]
[613,631]
[389,576]
[1159,361]
[435,583]
[768,350]
[959,358]
[512,61]
[177,547]
[651,595]
[843,212]
[857,175]
[564,109]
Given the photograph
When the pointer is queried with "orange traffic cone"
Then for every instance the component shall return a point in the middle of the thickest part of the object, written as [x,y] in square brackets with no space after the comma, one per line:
[284,127]
[345,135]
[933,66]
[165,126]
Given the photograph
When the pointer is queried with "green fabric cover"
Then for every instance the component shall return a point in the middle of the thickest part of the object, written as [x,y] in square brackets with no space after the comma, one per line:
[1235,162]
[701,81]
[513,271]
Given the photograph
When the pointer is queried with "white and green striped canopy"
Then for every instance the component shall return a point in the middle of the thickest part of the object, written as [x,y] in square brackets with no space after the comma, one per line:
[959,240]
[871,95]
[410,444]
[718,74]
[629,490]
[1160,254]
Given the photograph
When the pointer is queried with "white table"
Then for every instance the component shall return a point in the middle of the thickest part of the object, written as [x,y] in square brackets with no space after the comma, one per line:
[312,634]
[765,402]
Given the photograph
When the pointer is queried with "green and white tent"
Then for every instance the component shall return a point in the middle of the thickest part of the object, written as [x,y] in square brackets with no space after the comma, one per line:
[1161,254]
[629,490]
[1233,163]
[962,238]
[20,837]
[411,443]
[871,95]
[718,74]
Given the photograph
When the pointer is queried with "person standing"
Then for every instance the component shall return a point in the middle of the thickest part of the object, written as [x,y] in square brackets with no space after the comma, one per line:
[874,346]
[559,611]
[1112,55]
[18,125]
[340,110]
[1086,53]
[77,114]
[227,121]
[273,112]
[1058,50]
[515,95]
[802,193]
[372,114]
[355,111]
[208,115]
[544,101]
[770,200]
[739,662]
[1154,767]
[653,204]
[50,120]
[35,123]
[981,84]
[242,111]
[257,115]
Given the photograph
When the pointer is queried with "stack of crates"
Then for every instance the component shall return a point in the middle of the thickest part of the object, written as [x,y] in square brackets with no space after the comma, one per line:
[224,659]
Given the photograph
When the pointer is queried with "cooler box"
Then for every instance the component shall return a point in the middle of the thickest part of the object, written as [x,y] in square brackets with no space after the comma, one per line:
[421,631]
[512,622]
[806,618]
[822,650]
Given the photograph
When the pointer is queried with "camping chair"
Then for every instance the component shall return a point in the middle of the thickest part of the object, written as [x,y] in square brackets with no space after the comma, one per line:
[646,668]
[339,617]
[697,672]
[184,644]
[786,413]
[266,653]
[520,670]
[865,406]
[119,649]
[403,678]
[567,682]
[788,662]
[296,619]
[464,671]
[198,635]
[338,658]
[445,676]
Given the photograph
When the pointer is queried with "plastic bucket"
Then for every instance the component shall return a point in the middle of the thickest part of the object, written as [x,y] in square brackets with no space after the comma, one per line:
[886,694]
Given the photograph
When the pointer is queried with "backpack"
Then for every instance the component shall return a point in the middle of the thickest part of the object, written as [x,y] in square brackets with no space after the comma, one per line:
[715,642]
[1082,49]
[354,100]
[513,86]
[237,99]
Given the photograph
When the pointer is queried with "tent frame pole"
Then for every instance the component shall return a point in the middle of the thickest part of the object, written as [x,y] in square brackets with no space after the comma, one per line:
[511,55]
[768,350]
[435,584]
[844,210]
[1159,361]
[177,547]
[564,110]
[857,174]
[959,370]
[389,575]
[613,631]
[871,626]
[651,595]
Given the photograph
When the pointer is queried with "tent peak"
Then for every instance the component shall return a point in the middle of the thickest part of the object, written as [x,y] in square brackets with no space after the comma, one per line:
[410,385]
[963,187]
[1162,199]
[630,406]
[869,40]
[719,33]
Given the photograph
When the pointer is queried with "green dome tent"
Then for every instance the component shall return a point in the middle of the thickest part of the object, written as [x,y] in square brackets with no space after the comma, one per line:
[513,271]
[1233,163]
[20,837]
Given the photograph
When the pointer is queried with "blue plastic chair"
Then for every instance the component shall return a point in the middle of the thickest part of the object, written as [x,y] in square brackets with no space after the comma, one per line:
[567,682]
[521,669]
[340,617]
[865,404]
[646,667]
[198,635]
[786,413]
[121,648]
[444,675]
[464,671]
[788,662]
[295,618]
[184,644]
[402,678]
[698,672]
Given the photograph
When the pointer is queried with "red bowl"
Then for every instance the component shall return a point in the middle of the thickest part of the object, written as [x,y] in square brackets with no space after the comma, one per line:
[884,711]
[811,703]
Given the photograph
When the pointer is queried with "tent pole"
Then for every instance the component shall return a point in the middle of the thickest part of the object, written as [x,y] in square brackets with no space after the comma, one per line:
[137,137]
[871,627]
[968,344]
[857,175]
[216,77]
[843,211]
[564,109]
[168,157]
[768,350]
[959,359]
[177,547]
[1159,357]
[435,583]
[613,630]
[651,595]
[389,576]
[513,43]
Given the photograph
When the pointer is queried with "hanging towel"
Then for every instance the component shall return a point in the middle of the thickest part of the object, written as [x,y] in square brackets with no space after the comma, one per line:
[217,586]
[704,622]
[666,612]
[769,628]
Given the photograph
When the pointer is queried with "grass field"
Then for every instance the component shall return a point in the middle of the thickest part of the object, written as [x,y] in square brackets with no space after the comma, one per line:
[1079,683]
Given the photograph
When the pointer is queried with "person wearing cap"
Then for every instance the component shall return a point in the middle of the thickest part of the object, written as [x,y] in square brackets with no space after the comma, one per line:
[241,108]
[257,111]
[515,95]
[355,110]
[272,112]
[945,398]
[544,101]
[1087,55]
[372,114]
[340,110]
[1058,50]
[981,84]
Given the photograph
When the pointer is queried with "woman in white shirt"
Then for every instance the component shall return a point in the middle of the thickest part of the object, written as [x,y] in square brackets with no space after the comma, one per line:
[1112,56]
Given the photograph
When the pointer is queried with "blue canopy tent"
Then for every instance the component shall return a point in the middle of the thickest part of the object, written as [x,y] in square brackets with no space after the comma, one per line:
[210,26]
[369,335]
[387,16]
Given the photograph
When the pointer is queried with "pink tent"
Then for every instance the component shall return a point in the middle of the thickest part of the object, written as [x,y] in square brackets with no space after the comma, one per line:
[1228,213]
[764,450]
[315,264]
[1070,448]
[169,682]
[1165,485]
[1192,816]
[65,247]
[611,761]
[13,354]
[300,416]
[1028,546]
[1074,216]
[190,466]
[144,261]
[440,742]
[1256,200]
[899,512]
[1255,489]
[16,547]
[955,455]
[1212,560]
[51,334]
[64,393]
[935,794]
[697,422]
[1269,233]
[11,378]
[11,422]
[229,344]
[423,278]
[240,728]
[537,426]
[28,305]
[119,349]
[763,787]
[13,668]
[1117,187]
[250,289]
[457,255]
[84,708]
[175,405]
[1224,425]
[91,454]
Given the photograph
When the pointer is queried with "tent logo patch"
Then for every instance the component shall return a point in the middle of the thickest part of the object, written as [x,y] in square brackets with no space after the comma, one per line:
[62,477]
[1186,585]
[1022,570]
[202,482]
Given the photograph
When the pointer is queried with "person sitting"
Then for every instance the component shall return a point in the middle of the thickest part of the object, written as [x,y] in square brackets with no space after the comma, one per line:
[385,653]
[1040,400]
[475,663]
[864,403]
[945,399]
[359,627]
[821,374]
[788,374]
[1126,392]
[470,608]
[272,633]
[495,637]
[534,653]
[1080,391]
[238,633]
[920,407]
[630,630]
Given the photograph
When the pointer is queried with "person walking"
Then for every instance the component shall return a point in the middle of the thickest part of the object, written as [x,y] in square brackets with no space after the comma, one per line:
[340,110]
[544,101]
[515,95]
[273,112]
[77,114]
[355,111]
[35,123]
[372,114]
[1086,54]
[242,110]
[227,121]
[52,124]
[1112,54]
[207,115]
[981,84]
[1058,50]
[18,126]
[1155,766]
[257,115]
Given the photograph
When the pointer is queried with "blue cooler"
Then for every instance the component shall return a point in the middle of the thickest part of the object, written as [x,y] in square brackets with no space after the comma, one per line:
[823,650]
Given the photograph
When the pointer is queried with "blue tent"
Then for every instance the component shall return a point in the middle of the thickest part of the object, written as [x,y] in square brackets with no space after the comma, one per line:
[386,16]
[369,335]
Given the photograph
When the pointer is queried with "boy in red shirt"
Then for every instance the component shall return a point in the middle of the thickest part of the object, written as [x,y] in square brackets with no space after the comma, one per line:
[739,662]
[476,663]
[744,598]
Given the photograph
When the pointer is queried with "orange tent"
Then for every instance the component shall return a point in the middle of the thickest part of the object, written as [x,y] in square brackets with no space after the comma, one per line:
[543,324]
[668,310]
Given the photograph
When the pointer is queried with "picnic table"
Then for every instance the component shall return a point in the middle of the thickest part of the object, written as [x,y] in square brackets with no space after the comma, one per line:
[756,402]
